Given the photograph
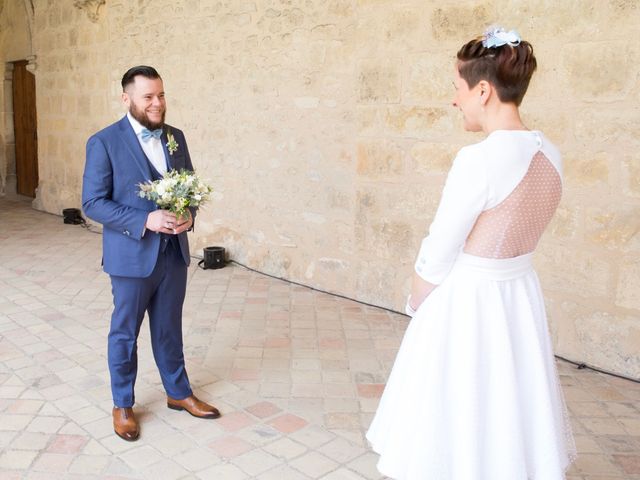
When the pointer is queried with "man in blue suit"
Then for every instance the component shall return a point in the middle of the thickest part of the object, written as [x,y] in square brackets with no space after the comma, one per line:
[145,249]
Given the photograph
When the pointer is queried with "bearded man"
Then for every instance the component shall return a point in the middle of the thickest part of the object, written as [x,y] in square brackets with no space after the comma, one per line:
[145,249]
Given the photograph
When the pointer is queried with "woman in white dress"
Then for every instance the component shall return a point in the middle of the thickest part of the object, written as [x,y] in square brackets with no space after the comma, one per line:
[474,394]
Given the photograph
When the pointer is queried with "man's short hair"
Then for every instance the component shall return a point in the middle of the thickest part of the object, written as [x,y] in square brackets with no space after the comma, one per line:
[130,75]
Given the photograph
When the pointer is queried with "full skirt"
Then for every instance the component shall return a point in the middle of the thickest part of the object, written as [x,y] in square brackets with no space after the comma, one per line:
[474,393]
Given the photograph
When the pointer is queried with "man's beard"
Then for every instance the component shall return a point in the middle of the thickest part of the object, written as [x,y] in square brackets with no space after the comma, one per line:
[141,116]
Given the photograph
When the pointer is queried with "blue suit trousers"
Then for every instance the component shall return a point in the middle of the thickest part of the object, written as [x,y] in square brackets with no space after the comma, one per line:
[162,296]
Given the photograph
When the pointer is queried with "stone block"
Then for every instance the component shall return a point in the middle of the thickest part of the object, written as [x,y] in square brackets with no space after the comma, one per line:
[367,119]
[395,31]
[53,18]
[379,158]
[73,37]
[340,8]
[601,128]
[333,273]
[394,215]
[378,82]
[628,288]
[624,13]
[428,80]
[561,325]
[589,66]
[376,282]
[557,125]
[532,20]
[52,143]
[610,341]
[368,3]
[631,175]
[460,22]
[575,271]
[419,122]
[567,221]
[429,158]
[615,227]
[83,106]
[339,199]
[586,169]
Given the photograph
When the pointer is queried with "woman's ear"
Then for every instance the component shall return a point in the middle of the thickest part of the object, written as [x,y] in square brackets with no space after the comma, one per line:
[485,90]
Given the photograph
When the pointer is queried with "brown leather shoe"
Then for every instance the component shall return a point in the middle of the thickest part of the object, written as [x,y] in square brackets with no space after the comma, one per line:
[195,407]
[125,424]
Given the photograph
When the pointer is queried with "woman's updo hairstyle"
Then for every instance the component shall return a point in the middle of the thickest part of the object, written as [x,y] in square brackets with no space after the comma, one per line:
[501,59]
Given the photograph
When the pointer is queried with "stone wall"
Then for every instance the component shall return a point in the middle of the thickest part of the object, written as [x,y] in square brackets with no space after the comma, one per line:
[15,44]
[326,129]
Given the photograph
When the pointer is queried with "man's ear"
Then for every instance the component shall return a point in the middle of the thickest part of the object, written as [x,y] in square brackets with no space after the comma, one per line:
[125,99]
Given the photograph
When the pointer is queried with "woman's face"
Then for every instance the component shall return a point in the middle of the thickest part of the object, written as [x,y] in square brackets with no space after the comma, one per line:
[468,101]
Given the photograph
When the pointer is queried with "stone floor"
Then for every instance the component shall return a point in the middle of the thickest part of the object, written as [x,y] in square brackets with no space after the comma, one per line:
[296,373]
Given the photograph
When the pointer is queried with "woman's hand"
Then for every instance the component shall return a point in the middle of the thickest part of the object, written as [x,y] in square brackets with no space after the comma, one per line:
[420,289]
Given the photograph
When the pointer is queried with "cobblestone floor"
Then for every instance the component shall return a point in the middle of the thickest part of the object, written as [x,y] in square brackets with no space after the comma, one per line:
[296,373]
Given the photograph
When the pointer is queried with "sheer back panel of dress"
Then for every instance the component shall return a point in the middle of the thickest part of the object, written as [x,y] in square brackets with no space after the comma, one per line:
[514,227]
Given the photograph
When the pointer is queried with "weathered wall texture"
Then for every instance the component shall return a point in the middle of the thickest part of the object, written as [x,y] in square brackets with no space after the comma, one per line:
[326,128]
[15,44]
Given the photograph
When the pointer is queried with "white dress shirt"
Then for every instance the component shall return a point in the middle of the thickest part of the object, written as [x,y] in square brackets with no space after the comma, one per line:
[152,147]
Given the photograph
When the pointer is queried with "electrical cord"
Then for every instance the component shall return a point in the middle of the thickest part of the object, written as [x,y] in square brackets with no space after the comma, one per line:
[579,365]
[303,285]
[582,366]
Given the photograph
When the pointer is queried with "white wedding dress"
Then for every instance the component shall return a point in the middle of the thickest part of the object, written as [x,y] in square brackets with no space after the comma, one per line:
[474,393]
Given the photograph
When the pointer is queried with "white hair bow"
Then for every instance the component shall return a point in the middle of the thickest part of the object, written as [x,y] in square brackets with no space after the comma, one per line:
[498,36]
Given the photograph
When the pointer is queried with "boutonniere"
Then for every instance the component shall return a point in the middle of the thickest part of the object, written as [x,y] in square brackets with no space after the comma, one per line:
[172,145]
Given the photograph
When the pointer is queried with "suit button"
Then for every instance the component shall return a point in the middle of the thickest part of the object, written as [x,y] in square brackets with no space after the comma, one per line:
[126,232]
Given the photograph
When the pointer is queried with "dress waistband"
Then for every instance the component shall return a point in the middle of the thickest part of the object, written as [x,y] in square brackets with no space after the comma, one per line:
[496,268]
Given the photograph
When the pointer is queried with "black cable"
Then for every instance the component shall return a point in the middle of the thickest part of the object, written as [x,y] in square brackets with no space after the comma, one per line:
[307,286]
[582,365]
[579,365]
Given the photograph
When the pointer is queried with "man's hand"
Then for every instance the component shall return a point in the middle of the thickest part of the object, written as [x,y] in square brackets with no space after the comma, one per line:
[184,223]
[163,221]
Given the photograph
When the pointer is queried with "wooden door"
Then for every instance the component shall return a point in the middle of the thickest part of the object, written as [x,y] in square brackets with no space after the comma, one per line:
[24,121]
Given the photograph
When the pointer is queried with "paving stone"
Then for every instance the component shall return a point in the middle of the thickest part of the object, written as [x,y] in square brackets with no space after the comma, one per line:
[297,374]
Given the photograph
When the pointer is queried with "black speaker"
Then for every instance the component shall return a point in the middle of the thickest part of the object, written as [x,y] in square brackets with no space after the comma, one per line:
[72,216]
[214,257]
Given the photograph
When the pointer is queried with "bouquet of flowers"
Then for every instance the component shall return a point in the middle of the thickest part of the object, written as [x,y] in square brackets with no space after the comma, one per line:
[176,191]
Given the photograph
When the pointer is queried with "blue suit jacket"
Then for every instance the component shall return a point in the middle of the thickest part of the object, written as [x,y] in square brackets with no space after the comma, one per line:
[115,165]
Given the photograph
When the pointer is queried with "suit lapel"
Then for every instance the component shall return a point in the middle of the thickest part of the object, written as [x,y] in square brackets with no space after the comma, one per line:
[133,145]
[165,140]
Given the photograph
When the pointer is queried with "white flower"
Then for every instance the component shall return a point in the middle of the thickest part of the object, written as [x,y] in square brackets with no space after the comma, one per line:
[176,191]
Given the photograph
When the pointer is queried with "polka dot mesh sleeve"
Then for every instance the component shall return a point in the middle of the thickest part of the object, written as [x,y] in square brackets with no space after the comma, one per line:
[514,227]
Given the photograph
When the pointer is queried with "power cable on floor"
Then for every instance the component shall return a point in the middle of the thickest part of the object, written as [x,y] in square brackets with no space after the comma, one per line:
[579,365]
[582,366]
[309,287]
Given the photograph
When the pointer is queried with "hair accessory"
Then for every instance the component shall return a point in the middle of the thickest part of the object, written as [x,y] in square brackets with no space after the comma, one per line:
[497,36]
